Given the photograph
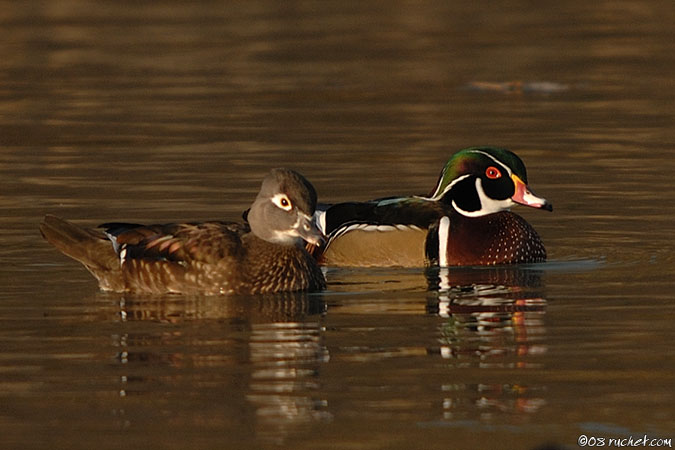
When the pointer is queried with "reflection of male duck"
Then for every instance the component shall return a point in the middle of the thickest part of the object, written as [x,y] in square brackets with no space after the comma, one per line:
[464,221]
[490,326]
[491,312]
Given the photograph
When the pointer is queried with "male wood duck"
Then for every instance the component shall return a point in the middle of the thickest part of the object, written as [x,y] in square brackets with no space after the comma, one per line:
[265,255]
[464,221]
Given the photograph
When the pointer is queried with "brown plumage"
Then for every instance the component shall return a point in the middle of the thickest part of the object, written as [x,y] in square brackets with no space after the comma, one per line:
[208,257]
[499,238]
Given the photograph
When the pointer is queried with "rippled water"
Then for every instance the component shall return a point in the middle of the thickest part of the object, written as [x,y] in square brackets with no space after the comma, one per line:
[175,111]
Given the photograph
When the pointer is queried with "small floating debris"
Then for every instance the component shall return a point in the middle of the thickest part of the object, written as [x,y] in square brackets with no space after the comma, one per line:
[518,87]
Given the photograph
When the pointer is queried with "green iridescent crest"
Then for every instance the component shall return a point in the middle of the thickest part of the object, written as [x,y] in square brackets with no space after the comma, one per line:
[472,161]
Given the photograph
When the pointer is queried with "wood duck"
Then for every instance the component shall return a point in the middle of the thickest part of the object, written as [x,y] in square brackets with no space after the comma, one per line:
[264,255]
[464,221]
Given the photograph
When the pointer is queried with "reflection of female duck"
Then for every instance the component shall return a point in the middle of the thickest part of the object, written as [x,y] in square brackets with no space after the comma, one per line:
[263,352]
[281,307]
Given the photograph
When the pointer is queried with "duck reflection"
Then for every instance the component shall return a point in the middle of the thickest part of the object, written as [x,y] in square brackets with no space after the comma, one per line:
[179,308]
[285,359]
[257,355]
[494,319]
[257,365]
[494,314]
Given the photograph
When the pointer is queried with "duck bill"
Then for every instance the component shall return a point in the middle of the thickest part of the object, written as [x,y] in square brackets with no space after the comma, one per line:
[307,230]
[524,196]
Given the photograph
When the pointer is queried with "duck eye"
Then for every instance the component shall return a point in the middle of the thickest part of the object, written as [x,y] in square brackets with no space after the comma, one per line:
[282,201]
[492,173]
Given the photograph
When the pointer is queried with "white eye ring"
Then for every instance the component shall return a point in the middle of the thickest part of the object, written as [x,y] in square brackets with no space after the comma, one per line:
[282,201]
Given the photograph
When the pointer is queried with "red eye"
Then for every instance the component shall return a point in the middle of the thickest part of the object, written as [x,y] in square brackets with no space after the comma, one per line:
[493,173]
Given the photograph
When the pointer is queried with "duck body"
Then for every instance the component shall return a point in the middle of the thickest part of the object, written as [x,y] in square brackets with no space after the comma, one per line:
[464,221]
[266,255]
[383,232]
[505,238]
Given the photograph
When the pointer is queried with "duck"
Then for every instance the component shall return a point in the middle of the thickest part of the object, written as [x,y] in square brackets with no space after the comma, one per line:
[464,221]
[264,255]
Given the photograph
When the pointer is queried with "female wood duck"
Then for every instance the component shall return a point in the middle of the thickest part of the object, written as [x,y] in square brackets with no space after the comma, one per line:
[265,255]
[464,221]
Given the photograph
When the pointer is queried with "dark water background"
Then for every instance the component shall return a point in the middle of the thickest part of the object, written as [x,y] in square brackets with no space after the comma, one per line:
[163,111]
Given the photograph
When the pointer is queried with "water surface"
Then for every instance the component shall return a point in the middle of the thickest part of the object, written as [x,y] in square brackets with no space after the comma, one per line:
[149,112]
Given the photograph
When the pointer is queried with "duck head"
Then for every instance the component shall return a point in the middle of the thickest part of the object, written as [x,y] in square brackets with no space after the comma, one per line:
[478,181]
[282,211]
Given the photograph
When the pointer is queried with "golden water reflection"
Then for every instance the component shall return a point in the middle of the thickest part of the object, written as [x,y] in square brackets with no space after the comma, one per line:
[284,384]
[264,361]
[501,322]
[490,327]
[272,358]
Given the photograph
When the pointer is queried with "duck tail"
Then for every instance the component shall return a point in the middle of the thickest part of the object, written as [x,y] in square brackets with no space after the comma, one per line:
[88,246]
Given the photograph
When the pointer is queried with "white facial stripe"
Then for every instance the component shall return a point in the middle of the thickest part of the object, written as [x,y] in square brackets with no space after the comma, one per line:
[487,204]
[438,195]
[508,170]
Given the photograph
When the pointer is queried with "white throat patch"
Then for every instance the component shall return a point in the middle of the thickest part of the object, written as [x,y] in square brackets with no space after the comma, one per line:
[487,204]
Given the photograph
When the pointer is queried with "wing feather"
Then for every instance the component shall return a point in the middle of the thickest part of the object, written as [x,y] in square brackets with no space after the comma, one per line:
[180,242]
